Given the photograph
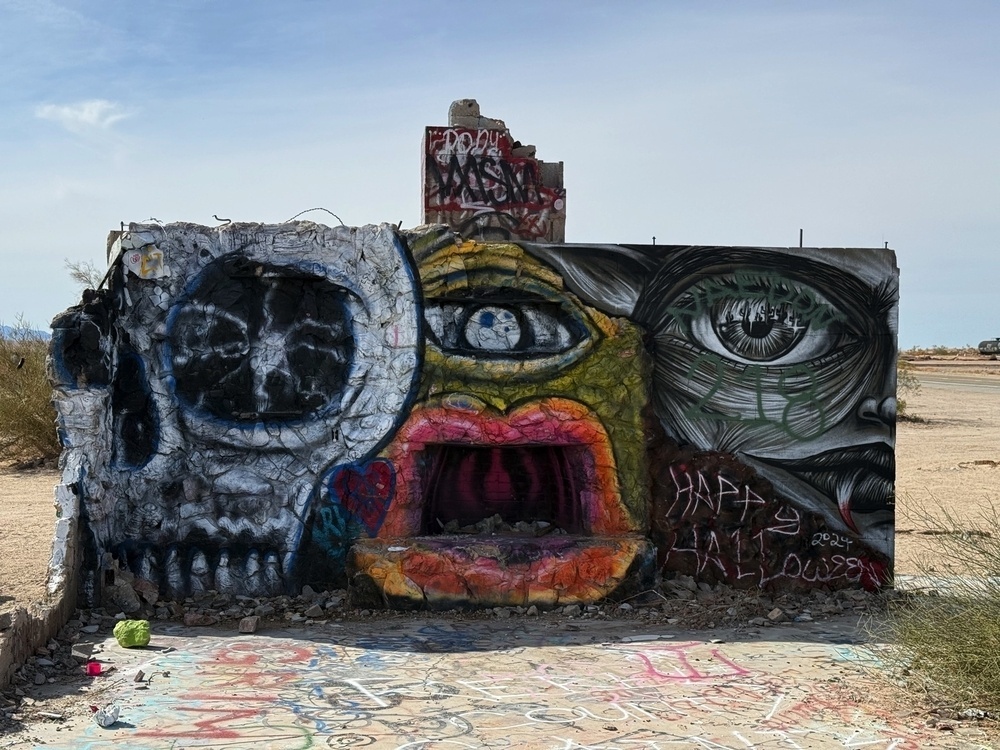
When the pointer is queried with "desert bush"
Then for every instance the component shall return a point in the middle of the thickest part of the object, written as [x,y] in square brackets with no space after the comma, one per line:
[907,384]
[946,638]
[938,350]
[27,417]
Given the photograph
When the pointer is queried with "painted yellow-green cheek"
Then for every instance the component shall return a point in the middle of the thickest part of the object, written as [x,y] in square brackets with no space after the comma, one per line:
[611,380]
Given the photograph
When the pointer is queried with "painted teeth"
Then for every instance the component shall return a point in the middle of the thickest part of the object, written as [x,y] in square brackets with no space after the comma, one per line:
[230,574]
[223,576]
[176,585]
[272,573]
[201,577]
[149,570]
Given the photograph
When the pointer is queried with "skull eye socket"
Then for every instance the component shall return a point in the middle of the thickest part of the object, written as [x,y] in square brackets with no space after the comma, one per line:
[504,324]
[258,342]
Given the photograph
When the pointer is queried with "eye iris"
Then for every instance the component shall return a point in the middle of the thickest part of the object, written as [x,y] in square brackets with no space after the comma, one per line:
[493,329]
[756,330]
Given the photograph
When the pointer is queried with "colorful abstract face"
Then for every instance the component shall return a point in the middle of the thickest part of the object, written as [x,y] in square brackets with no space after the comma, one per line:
[529,407]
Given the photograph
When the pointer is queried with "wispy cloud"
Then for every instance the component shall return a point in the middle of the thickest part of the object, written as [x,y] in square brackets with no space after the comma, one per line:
[94,114]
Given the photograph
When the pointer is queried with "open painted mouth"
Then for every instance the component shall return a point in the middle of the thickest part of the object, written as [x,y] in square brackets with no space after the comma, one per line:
[515,489]
[496,509]
[859,478]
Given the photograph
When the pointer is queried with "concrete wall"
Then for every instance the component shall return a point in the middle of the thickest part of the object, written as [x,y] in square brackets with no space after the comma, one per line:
[484,184]
[25,629]
[444,422]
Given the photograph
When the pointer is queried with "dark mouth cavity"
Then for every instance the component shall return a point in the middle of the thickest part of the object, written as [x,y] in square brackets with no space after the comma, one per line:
[509,490]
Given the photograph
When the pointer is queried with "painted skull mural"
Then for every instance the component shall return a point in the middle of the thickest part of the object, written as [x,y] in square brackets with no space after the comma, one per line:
[201,400]
[443,422]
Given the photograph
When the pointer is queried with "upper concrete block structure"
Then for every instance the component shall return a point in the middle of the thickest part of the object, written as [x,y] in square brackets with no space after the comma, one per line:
[481,182]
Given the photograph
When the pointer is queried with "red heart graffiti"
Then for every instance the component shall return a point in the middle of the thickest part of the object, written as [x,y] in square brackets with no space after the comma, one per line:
[365,491]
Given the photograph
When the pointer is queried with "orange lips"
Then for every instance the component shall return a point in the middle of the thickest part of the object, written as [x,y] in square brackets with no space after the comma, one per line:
[503,570]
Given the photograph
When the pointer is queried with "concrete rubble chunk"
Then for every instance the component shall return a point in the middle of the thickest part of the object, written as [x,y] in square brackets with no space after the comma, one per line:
[249,624]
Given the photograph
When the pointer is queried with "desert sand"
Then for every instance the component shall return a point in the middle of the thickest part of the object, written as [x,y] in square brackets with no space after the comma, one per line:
[947,467]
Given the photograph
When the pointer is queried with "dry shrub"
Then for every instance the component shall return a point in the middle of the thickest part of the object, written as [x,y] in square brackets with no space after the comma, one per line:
[946,635]
[27,417]
[954,352]
[907,384]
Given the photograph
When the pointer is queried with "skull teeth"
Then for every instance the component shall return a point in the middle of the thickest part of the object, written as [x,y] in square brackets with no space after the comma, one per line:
[186,572]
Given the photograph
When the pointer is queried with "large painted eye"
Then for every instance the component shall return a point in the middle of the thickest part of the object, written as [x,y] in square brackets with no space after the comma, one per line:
[760,318]
[503,324]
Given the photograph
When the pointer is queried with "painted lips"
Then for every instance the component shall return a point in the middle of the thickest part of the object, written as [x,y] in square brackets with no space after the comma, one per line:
[860,478]
[406,565]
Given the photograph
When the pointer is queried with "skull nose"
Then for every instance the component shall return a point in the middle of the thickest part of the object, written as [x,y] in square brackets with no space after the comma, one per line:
[272,379]
[881,412]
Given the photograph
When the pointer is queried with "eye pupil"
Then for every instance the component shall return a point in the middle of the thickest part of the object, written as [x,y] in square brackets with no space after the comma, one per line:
[757,329]
[493,329]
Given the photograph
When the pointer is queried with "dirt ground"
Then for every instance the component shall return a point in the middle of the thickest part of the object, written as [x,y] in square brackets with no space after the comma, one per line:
[947,467]
[27,520]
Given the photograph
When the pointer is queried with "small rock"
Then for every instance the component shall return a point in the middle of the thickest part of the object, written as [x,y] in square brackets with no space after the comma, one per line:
[263,610]
[366,613]
[315,611]
[532,611]
[802,618]
[758,621]
[673,620]
[625,607]
[196,619]
[39,678]
[90,629]
[502,612]
[249,624]
[44,662]
[776,615]
[572,610]
[308,594]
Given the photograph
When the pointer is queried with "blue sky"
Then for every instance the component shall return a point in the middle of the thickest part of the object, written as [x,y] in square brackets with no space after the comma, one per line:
[696,122]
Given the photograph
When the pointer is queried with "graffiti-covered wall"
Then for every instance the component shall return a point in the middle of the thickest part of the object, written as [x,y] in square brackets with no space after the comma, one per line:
[441,421]
[480,181]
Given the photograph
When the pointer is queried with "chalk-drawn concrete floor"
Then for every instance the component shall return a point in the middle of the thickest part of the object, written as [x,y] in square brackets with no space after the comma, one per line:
[439,684]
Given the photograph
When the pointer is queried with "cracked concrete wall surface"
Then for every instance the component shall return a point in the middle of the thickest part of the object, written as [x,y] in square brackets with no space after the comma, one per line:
[441,421]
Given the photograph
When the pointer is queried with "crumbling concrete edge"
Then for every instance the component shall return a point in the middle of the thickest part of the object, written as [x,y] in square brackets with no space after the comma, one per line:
[33,626]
